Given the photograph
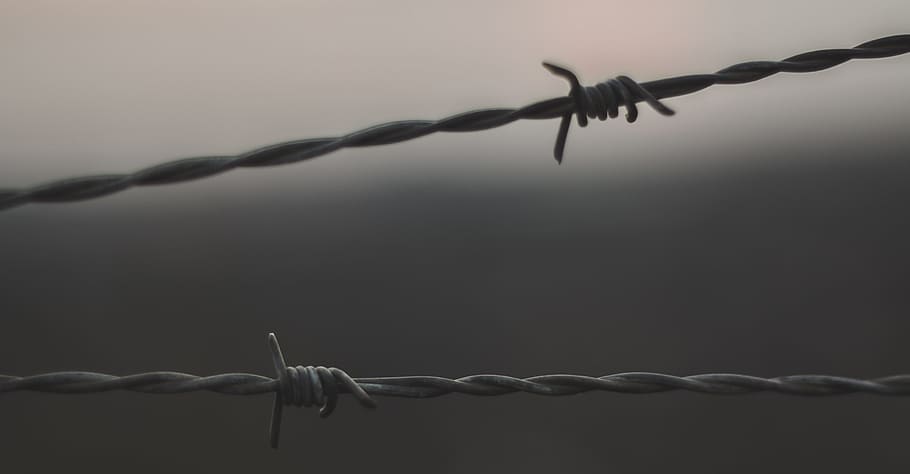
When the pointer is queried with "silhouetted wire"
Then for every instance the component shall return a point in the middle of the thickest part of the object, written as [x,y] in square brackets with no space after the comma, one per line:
[308,386]
[601,101]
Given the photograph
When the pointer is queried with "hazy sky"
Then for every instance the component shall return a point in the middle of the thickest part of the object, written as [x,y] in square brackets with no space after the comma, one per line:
[112,86]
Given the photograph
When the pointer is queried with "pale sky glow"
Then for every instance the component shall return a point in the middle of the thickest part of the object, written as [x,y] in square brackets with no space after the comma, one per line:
[109,86]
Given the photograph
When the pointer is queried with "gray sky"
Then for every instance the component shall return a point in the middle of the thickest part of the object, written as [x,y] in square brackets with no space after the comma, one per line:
[111,86]
[761,230]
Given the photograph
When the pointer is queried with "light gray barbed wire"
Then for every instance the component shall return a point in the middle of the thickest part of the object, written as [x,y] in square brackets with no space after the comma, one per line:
[308,386]
[600,101]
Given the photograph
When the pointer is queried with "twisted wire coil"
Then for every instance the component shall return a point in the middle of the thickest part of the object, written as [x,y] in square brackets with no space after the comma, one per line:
[601,101]
[308,386]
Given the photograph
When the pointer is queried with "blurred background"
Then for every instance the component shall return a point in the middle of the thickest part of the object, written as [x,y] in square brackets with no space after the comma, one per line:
[761,230]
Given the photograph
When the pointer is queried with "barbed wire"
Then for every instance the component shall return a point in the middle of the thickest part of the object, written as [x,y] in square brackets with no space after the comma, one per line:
[308,386]
[601,101]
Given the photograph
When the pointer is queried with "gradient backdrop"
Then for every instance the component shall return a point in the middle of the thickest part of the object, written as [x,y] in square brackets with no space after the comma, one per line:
[762,230]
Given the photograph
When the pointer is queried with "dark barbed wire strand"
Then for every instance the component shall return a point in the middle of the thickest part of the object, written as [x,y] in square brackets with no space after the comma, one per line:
[308,386]
[601,101]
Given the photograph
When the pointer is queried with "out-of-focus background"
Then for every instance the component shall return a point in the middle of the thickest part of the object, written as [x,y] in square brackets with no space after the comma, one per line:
[762,230]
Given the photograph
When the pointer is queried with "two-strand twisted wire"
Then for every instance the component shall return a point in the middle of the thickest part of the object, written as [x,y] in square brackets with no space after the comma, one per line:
[307,386]
[485,385]
[600,101]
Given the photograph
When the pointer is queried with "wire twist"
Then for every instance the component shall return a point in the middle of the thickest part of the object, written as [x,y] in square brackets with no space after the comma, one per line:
[580,102]
[308,386]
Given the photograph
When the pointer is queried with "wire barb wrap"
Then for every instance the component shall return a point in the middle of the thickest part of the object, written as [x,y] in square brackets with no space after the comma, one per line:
[306,386]
[601,101]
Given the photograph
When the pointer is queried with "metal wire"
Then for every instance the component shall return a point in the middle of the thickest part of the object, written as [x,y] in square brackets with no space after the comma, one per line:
[601,101]
[307,386]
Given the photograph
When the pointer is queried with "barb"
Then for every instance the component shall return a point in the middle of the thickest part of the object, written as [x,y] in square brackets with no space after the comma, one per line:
[306,386]
[601,101]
